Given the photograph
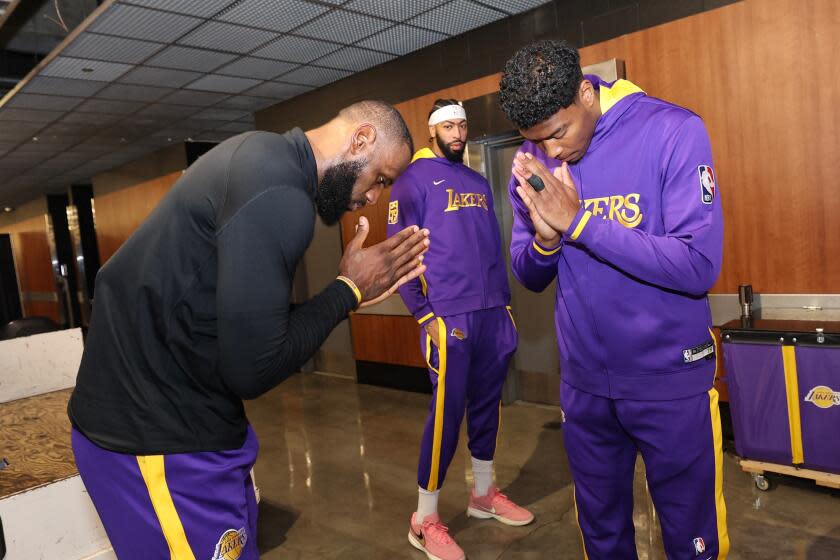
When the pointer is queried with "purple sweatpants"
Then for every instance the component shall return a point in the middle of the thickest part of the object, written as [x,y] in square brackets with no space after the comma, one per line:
[681,444]
[467,371]
[190,506]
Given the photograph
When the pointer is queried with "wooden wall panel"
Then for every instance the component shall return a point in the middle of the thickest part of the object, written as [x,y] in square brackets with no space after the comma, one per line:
[119,213]
[390,339]
[760,73]
[34,266]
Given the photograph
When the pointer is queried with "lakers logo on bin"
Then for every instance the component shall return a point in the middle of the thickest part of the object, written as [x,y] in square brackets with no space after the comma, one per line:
[823,397]
[230,545]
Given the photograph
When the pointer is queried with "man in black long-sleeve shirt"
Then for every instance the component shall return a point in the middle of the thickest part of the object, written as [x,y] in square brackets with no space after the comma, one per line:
[192,315]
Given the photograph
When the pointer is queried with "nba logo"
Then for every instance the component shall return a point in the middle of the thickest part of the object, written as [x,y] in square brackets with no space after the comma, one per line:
[687,356]
[699,546]
[393,211]
[707,184]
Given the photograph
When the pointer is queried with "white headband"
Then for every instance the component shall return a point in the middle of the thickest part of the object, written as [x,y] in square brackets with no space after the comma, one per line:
[447,113]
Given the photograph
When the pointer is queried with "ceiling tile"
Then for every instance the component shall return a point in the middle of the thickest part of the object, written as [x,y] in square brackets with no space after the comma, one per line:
[457,17]
[165,77]
[219,114]
[353,58]
[29,115]
[313,76]
[198,8]
[140,23]
[194,98]
[296,49]
[397,11]
[515,6]
[226,84]
[85,69]
[402,39]
[62,86]
[111,49]
[186,58]
[250,67]
[49,102]
[267,14]
[110,106]
[343,27]
[227,37]
[127,92]
[277,91]
[246,103]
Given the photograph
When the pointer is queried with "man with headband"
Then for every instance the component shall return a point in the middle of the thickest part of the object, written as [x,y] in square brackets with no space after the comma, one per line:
[630,225]
[468,334]
[193,314]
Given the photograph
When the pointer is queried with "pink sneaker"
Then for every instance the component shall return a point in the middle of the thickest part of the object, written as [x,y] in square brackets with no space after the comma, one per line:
[498,506]
[432,537]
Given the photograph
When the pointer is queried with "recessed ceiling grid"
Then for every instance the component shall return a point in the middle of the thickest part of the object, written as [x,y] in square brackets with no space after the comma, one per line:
[145,73]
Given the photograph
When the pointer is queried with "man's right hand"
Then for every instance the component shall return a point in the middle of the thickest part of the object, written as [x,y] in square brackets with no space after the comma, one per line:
[432,329]
[380,269]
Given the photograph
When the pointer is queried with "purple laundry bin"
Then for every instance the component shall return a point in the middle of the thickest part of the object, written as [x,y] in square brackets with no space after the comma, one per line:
[784,377]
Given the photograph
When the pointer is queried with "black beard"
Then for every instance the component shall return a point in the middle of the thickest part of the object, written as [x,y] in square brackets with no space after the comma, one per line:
[454,157]
[335,190]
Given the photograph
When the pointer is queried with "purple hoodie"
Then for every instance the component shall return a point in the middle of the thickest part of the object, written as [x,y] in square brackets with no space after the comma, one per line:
[632,317]
[465,268]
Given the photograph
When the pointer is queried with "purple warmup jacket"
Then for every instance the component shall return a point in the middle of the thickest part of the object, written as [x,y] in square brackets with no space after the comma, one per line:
[465,268]
[632,317]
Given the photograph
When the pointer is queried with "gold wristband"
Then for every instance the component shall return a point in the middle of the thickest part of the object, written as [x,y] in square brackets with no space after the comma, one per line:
[352,286]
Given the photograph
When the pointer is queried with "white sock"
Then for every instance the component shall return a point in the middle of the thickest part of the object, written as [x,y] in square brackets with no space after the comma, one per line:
[482,475]
[427,503]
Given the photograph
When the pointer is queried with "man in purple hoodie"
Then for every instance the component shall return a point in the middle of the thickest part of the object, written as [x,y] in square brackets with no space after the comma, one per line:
[468,334]
[614,195]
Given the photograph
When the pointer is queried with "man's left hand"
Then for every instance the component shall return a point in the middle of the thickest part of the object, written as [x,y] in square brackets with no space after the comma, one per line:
[558,203]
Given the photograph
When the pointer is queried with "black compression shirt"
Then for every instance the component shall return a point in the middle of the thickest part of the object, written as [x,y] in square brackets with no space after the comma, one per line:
[192,314]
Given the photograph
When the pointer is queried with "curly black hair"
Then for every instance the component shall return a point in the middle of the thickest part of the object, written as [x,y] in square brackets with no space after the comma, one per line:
[539,80]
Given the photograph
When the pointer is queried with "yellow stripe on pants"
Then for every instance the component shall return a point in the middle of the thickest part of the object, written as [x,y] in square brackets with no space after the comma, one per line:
[441,394]
[720,504]
[154,475]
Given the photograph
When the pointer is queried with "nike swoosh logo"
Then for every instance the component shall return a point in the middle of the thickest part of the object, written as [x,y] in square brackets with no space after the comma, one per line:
[436,183]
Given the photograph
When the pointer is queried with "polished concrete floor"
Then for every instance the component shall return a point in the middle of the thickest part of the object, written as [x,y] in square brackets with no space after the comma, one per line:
[337,470]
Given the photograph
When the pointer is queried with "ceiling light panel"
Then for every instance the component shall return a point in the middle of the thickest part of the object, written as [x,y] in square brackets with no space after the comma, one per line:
[111,49]
[270,14]
[227,37]
[296,49]
[140,23]
[343,27]
[186,58]
[457,17]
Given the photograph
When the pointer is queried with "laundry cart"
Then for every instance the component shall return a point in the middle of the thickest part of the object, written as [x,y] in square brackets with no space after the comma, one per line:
[784,397]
